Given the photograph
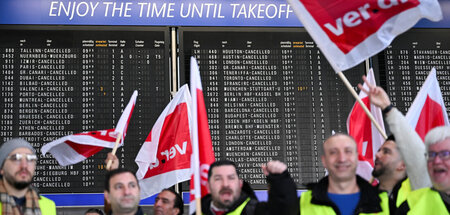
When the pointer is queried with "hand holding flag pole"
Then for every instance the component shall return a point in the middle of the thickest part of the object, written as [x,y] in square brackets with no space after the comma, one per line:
[122,125]
[355,95]
[116,145]
[345,45]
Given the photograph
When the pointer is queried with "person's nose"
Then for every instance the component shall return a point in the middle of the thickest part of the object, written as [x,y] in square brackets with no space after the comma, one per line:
[23,163]
[226,183]
[341,156]
[127,190]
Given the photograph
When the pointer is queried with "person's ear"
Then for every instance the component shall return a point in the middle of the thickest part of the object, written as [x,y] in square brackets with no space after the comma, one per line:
[176,211]
[323,161]
[207,186]
[106,195]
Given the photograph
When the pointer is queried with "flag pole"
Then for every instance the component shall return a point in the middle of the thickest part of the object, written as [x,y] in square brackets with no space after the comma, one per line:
[355,95]
[198,205]
[116,145]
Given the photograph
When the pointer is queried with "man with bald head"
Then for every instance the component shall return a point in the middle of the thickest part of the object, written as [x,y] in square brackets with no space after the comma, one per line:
[342,191]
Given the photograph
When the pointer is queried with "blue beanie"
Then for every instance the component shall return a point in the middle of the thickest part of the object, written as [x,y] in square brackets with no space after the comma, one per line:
[11,145]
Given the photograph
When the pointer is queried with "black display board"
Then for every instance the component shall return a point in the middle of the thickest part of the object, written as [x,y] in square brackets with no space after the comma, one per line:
[58,81]
[270,94]
[405,65]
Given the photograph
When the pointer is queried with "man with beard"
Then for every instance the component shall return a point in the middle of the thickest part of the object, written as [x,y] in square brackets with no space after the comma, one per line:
[342,191]
[122,192]
[168,202]
[231,195]
[399,157]
[390,170]
[17,196]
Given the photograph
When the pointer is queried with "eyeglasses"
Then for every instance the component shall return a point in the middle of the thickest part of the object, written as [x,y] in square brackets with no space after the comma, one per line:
[443,155]
[18,157]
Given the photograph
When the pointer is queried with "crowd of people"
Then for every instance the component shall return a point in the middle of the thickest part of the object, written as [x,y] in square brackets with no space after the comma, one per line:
[400,169]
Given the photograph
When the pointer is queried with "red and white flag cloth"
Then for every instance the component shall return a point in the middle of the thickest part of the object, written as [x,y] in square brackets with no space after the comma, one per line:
[428,109]
[164,158]
[348,32]
[75,148]
[366,135]
[203,154]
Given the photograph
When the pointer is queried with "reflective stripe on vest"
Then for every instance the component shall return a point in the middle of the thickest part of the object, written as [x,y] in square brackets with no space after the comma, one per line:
[426,201]
[307,208]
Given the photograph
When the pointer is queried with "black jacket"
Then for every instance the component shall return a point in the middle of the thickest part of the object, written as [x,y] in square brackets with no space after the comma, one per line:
[282,198]
[393,196]
[369,201]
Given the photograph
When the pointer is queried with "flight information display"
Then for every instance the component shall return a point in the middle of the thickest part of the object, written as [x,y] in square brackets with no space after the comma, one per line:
[270,94]
[406,63]
[61,81]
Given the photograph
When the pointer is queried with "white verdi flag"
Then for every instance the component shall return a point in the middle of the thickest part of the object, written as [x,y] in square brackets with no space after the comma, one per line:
[428,109]
[202,151]
[164,158]
[348,32]
[75,148]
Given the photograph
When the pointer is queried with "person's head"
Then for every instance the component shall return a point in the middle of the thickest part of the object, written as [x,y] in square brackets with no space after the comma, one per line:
[18,163]
[437,142]
[224,183]
[168,202]
[122,191]
[388,161]
[94,211]
[340,157]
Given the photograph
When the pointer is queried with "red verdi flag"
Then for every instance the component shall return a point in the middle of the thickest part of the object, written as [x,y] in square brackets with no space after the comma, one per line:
[348,32]
[203,154]
[428,109]
[164,158]
[77,147]
[367,137]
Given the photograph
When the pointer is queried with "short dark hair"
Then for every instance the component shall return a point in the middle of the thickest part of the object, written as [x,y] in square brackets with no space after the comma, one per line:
[94,210]
[114,172]
[390,137]
[221,163]
[178,200]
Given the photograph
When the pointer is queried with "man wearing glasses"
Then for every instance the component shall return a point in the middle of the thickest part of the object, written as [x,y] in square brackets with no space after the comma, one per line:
[434,200]
[17,196]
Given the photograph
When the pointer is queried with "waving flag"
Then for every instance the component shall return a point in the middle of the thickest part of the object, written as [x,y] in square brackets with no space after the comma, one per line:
[428,109]
[164,158]
[77,147]
[348,32]
[203,154]
[367,137]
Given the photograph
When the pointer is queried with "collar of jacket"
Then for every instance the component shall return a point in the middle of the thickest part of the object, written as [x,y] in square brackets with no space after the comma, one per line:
[369,201]
[246,192]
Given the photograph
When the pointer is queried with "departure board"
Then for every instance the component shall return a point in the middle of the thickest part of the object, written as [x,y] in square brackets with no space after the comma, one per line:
[270,95]
[60,81]
[405,64]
